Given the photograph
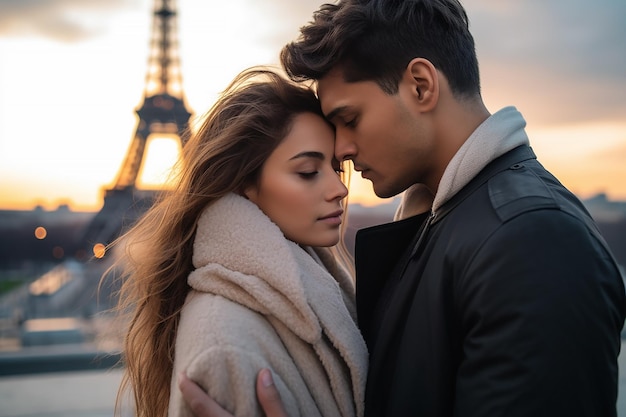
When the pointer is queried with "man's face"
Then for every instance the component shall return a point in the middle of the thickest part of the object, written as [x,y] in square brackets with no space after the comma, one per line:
[384,135]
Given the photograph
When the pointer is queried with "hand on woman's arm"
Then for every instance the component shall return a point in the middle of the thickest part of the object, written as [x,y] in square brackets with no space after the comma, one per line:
[204,406]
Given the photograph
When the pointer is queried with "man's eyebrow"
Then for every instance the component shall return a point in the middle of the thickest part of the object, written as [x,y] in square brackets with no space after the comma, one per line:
[308,154]
[335,112]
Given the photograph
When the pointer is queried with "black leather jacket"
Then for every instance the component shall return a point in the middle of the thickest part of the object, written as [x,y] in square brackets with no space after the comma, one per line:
[506,302]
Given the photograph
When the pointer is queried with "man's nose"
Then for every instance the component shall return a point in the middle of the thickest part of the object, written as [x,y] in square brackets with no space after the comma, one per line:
[344,146]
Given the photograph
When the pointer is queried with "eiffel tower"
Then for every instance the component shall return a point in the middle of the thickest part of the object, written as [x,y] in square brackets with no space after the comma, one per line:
[163,111]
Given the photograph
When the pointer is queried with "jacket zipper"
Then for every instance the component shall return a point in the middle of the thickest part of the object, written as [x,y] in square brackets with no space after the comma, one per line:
[423,233]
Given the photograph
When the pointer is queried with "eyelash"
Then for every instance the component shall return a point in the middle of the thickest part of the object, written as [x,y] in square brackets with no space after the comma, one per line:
[351,123]
[311,175]
[308,175]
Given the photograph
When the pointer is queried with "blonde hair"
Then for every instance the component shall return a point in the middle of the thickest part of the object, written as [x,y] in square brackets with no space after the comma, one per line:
[225,155]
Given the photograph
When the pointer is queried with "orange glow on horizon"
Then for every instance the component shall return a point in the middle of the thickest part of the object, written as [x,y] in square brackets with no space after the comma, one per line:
[584,183]
[586,167]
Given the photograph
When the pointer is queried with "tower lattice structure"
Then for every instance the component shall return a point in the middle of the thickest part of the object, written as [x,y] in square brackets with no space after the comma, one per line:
[163,111]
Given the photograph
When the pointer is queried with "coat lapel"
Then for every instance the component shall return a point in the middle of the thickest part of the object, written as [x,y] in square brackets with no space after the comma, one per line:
[378,251]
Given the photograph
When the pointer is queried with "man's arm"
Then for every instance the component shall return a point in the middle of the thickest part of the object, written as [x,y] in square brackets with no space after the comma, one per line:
[204,406]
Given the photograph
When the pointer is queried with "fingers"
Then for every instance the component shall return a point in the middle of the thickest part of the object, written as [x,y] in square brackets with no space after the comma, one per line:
[268,395]
[200,403]
[203,406]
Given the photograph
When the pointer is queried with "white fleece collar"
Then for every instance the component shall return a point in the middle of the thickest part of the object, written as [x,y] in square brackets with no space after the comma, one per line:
[500,133]
[240,254]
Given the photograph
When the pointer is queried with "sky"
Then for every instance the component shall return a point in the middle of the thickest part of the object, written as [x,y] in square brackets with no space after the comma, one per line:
[72,73]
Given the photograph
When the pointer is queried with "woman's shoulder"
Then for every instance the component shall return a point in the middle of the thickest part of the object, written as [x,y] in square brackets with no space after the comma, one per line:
[211,314]
[213,325]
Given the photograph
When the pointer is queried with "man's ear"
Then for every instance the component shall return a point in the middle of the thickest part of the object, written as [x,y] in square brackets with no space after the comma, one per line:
[423,79]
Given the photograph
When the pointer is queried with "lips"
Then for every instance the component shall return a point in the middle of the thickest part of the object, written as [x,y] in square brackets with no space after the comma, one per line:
[333,215]
[333,219]
[362,170]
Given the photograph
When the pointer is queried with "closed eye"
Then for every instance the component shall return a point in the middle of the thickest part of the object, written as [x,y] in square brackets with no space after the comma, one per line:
[308,175]
[350,123]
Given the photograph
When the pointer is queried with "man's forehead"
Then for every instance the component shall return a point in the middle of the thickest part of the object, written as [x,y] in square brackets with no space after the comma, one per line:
[333,90]
[331,79]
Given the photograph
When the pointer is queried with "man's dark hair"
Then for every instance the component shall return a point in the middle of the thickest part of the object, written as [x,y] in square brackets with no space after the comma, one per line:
[376,39]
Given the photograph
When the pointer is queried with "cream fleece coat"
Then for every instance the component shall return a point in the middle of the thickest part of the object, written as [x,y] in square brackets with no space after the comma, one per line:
[259,300]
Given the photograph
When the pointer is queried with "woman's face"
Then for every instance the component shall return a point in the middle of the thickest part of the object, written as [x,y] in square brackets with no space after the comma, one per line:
[300,188]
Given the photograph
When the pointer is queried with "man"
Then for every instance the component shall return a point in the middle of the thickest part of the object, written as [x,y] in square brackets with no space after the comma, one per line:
[502,299]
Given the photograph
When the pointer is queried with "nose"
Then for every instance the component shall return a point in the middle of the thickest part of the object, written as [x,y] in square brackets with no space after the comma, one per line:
[344,147]
[337,190]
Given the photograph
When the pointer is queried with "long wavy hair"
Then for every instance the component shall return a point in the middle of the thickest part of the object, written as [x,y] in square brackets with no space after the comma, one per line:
[226,154]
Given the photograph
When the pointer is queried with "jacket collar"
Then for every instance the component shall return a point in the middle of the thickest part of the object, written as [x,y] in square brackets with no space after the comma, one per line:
[497,135]
[504,162]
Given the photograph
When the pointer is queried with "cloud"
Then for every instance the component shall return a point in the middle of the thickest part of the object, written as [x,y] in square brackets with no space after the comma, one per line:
[286,18]
[568,36]
[62,20]
[615,154]
[569,53]
[560,61]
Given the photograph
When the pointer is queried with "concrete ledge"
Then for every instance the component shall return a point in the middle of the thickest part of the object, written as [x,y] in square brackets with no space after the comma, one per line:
[52,359]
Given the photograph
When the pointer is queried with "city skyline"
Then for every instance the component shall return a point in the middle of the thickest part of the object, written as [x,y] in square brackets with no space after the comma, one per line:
[72,74]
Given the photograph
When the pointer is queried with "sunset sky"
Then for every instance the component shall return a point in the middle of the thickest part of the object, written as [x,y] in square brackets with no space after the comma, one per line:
[72,73]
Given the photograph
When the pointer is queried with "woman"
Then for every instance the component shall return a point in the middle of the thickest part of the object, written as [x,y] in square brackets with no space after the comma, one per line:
[236,269]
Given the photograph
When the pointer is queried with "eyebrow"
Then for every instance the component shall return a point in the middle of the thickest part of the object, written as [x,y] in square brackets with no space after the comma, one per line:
[308,154]
[336,111]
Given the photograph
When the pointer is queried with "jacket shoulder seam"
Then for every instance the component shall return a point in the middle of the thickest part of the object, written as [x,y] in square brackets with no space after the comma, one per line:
[518,190]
